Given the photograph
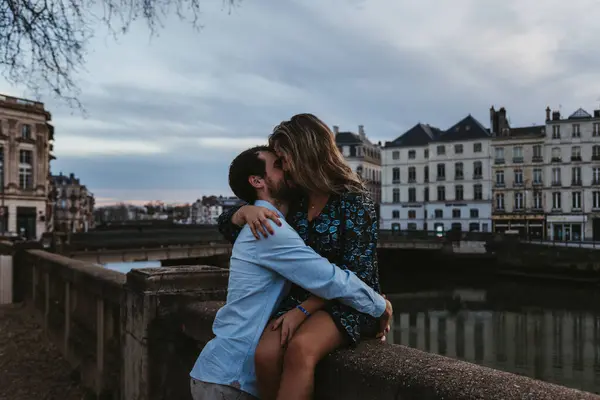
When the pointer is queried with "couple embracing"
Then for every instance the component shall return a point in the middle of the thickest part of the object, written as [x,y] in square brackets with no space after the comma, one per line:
[303,280]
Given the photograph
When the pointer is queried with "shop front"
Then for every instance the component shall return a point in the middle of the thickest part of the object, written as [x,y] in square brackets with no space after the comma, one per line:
[566,228]
[525,226]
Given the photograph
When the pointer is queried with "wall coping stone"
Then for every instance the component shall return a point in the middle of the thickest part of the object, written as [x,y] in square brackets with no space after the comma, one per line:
[375,370]
[188,279]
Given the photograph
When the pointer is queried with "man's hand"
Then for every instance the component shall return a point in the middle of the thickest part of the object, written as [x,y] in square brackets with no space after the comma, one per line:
[289,322]
[384,320]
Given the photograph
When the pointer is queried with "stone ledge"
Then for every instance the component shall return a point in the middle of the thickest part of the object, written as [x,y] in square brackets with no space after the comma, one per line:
[376,370]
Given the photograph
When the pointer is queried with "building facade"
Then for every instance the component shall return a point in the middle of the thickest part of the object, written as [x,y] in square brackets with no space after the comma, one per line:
[572,175]
[518,172]
[25,152]
[73,205]
[435,179]
[363,157]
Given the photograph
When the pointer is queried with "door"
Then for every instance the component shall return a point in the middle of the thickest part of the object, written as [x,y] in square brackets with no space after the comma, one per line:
[26,222]
[596,229]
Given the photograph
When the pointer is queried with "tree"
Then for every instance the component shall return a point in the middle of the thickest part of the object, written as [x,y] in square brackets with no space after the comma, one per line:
[43,42]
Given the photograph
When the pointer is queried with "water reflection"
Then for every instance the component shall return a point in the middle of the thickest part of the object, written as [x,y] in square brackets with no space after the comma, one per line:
[556,346]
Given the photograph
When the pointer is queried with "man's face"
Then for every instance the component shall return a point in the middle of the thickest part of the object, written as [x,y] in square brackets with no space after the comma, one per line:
[274,176]
[285,165]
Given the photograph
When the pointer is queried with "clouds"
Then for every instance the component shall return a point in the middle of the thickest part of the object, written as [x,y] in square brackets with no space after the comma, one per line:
[166,115]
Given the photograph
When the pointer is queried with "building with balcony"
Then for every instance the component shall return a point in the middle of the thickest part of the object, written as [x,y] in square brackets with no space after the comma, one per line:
[363,157]
[435,179]
[518,172]
[25,152]
[572,175]
[73,209]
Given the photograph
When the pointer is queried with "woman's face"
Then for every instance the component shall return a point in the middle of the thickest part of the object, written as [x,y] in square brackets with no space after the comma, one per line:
[285,166]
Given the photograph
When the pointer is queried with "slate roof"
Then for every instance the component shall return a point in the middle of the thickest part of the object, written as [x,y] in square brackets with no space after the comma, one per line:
[347,138]
[525,132]
[421,134]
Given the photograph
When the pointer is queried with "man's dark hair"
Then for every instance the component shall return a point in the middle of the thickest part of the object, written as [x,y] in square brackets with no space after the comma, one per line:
[243,167]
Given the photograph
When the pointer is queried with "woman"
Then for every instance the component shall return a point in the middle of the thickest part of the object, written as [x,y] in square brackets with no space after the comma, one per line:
[335,217]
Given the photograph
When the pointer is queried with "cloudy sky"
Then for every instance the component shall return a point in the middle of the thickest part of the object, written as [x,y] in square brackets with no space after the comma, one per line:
[166,115]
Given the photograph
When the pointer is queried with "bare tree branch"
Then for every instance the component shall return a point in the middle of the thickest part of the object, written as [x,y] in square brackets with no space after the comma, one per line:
[43,42]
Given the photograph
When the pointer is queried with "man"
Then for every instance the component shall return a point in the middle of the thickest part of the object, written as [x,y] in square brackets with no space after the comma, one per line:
[260,275]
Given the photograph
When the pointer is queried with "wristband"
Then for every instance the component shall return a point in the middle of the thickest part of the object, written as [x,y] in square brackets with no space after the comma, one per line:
[299,307]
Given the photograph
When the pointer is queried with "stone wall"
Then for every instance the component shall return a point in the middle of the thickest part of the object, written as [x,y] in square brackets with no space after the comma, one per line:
[136,337]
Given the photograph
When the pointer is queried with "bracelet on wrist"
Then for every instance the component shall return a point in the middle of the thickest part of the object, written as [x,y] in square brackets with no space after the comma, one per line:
[304,310]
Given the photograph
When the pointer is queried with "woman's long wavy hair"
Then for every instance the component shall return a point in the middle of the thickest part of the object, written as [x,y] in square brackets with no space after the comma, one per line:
[314,160]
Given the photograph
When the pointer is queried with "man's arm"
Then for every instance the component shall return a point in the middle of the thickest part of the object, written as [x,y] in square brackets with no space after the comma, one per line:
[286,254]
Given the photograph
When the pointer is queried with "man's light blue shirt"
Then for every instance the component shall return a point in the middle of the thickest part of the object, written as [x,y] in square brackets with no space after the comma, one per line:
[259,276]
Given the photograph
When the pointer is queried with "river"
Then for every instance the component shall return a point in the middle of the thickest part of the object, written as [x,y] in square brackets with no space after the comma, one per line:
[546,331]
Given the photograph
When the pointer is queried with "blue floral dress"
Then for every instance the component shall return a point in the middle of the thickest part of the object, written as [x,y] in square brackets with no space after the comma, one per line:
[345,232]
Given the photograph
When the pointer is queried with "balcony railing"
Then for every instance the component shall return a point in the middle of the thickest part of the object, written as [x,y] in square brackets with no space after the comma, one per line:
[459,177]
[441,178]
[517,184]
[537,183]
[537,159]
[500,184]
[576,182]
[499,161]
[596,157]
[517,160]
[556,183]
[575,158]
[477,176]
[556,159]
[596,182]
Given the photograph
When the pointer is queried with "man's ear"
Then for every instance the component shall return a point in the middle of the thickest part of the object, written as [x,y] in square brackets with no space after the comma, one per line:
[255,181]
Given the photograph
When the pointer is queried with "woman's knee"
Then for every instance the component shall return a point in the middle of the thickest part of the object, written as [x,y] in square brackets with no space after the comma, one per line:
[300,353]
[267,356]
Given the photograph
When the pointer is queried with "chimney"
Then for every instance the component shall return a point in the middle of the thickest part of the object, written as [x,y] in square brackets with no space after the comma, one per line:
[555,115]
[596,113]
[336,129]
[361,131]
[493,122]
[548,113]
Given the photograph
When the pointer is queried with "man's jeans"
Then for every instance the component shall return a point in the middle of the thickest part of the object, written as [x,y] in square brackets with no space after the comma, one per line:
[212,391]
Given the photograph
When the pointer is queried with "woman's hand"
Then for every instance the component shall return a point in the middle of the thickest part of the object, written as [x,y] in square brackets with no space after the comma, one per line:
[289,322]
[256,217]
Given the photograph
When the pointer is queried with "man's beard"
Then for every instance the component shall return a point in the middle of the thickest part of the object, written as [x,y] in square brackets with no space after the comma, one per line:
[282,192]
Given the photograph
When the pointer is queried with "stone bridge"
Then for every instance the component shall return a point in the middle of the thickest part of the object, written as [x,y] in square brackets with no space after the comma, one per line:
[136,336]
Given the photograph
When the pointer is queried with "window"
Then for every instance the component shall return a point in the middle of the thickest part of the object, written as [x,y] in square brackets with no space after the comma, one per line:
[556,201]
[596,152]
[518,201]
[575,131]
[412,214]
[556,176]
[441,172]
[412,174]
[458,148]
[395,155]
[499,154]
[556,154]
[500,177]
[439,214]
[537,176]
[478,192]
[537,152]
[575,153]
[412,154]
[458,171]
[596,176]
[476,147]
[576,200]
[576,176]
[474,213]
[426,194]
[441,193]
[459,192]
[596,129]
[26,131]
[396,195]
[537,200]
[426,153]
[596,199]
[396,214]
[25,169]
[411,226]
[500,201]
[1,168]
[412,195]
[396,175]
[441,150]
[477,170]
[426,174]
[456,213]
[556,132]
[518,176]
[518,154]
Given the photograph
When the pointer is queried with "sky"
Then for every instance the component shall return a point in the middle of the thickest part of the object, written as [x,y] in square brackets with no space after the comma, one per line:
[167,114]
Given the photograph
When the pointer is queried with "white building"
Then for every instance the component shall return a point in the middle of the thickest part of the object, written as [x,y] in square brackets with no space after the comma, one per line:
[434,179]
[363,157]
[206,211]
[518,176]
[572,175]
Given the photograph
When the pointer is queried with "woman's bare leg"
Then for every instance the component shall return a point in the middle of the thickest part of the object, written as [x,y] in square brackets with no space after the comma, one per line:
[314,339]
[268,362]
